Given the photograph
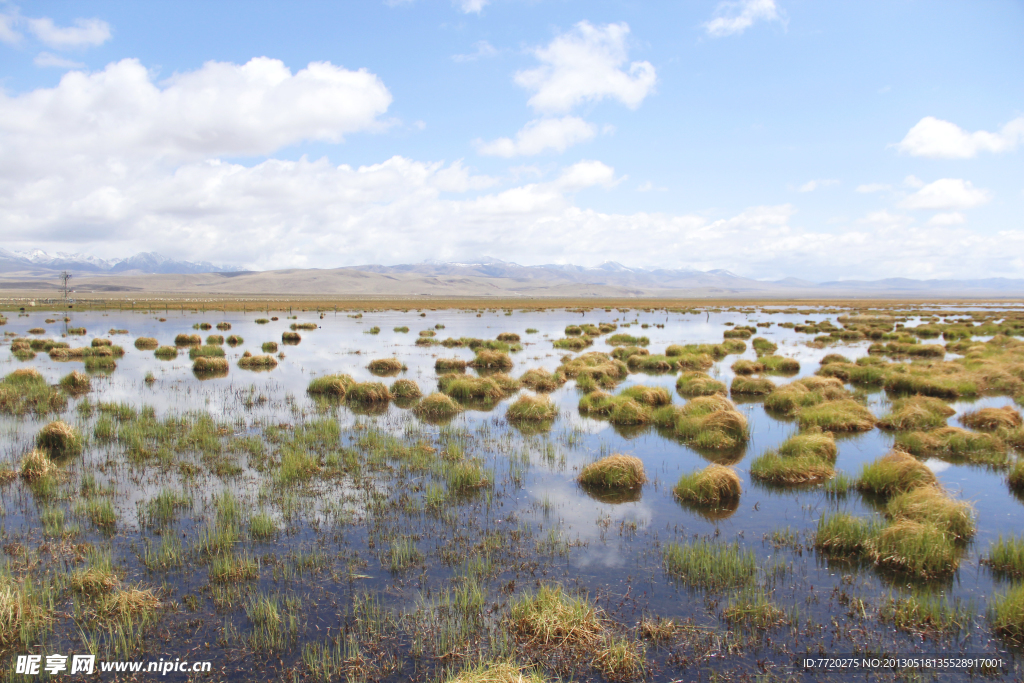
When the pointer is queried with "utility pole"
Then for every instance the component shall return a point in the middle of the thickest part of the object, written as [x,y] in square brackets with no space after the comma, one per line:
[65,276]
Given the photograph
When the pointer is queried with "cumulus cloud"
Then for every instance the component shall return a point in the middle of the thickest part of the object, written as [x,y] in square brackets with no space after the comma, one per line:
[85,33]
[587,64]
[812,185]
[541,135]
[8,34]
[218,109]
[950,218]
[947,194]
[938,139]
[48,59]
[736,17]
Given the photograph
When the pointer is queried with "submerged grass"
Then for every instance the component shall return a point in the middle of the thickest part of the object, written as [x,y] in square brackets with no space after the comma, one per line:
[704,564]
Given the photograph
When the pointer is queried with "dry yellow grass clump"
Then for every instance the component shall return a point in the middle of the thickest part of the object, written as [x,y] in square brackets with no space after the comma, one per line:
[532,408]
[896,472]
[36,465]
[59,439]
[386,366]
[251,362]
[992,418]
[713,486]
[207,365]
[613,472]
[146,343]
[916,412]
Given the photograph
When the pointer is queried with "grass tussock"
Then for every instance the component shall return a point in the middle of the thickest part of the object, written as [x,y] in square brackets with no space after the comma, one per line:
[550,618]
[990,419]
[166,352]
[487,390]
[627,340]
[206,351]
[442,365]
[894,473]
[923,550]
[386,366]
[788,399]
[713,486]
[269,347]
[845,415]
[780,365]
[496,672]
[931,505]
[843,535]
[1006,556]
[188,340]
[614,472]
[405,390]
[26,391]
[620,409]
[210,366]
[437,406]
[37,465]
[333,386]
[76,383]
[749,386]
[541,380]
[59,440]
[801,459]
[262,362]
[487,359]
[532,409]
[213,339]
[1006,613]
[290,338]
[916,413]
[748,367]
[696,383]
[594,369]
[710,422]
[146,343]
[367,393]
[955,444]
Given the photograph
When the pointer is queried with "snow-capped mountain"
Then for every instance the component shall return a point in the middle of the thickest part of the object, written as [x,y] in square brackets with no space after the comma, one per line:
[37,260]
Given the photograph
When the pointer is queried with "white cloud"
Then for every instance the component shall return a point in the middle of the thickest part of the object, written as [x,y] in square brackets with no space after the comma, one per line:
[472,6]
[913,181]
[649,186]
[482,50]
[7,32]
[947,194]
[47,59]
[951,218]
[85,33]
[736,17]
[873,187]
[935,138]
[541,135]
[587,64]
[218,109]
[812,185]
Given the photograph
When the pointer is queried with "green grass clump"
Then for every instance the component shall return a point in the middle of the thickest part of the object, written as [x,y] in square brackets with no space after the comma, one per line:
[335,386]
[779,365]
[449,365]
[1006,556]
[894,473]
[921,549]
[844,415]
[25,390]
[290,337]
[714,486]
[166,352]
[620,409]
[76,383]
[510,337]
[926,613]
[207,351]
[223,326]
[801,459]
[627,340]
[405,390]
[491,360]
[541,380]
[368,393]
[402,329]
[932,383]
[437,406]
[551,618]
[303,326]
[207,366]
[746,386]
[234,340]
[594,369]
[747,367]
[809,391]
[696,383]
[989,419]
[753,607]
[59,440]
[465,388]
[955,444]
[930,505]
[624,353]
[269,347]
[763,347]
[251,362]
[843,535]
[532,409]
[386,366]
[212,339]
[710,422]
[188,340]
[261,321]
[652,364]
[704,564]
[1006,613]
[146,343]
[648,396]
[916,413]
[614,472]
[572,343]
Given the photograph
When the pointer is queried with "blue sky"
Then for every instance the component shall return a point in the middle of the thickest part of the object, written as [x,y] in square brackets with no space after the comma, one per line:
[774,138]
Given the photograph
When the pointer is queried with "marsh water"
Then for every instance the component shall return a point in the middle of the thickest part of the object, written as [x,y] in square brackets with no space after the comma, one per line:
[331,551]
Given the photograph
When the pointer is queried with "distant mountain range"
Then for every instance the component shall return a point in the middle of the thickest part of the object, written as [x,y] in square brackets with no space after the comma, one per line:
[485,276]
[149,262]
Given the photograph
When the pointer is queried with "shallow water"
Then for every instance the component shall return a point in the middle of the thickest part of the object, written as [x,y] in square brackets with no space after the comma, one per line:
[613,549]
